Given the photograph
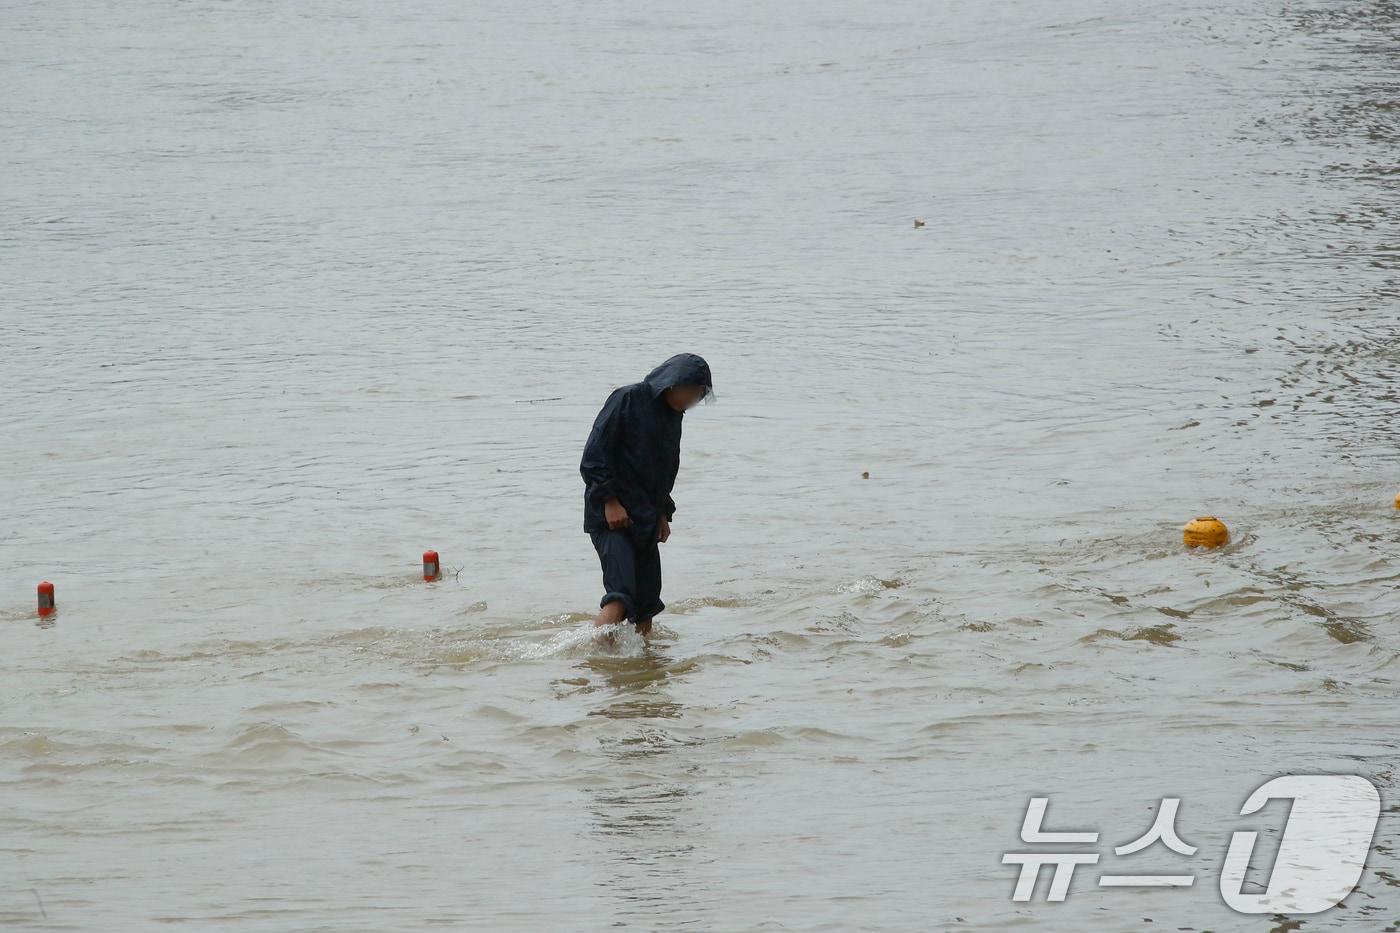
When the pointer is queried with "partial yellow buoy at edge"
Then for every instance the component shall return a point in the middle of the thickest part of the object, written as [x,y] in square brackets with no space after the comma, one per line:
[1205,531]
[1397,500]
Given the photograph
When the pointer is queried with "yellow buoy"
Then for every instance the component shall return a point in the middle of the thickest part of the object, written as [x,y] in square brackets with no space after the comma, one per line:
[1205,531]
[1397,500]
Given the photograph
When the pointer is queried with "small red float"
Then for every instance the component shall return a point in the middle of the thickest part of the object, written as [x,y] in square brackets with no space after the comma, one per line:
[431,568]
[46,603]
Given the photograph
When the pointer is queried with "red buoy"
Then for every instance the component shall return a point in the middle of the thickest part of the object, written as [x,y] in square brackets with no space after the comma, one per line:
[46,603]
[431,568]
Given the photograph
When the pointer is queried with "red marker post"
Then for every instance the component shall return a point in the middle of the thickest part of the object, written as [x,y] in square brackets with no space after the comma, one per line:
[432,569]
[46,603]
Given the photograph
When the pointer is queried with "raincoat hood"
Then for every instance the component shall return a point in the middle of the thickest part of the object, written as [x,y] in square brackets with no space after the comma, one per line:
[683,369]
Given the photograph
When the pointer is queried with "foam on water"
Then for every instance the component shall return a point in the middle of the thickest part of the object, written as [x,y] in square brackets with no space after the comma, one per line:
[621,640]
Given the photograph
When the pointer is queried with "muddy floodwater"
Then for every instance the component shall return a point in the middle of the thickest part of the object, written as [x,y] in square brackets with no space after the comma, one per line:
[290,292]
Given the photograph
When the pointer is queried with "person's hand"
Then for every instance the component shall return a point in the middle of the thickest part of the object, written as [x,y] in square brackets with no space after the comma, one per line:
[663,530]
[616,515]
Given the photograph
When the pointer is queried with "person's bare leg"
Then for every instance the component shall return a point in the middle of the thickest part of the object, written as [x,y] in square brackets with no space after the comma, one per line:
[643,626]
[612,613]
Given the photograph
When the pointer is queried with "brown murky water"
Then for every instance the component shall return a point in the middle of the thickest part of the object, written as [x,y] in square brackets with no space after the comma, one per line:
[290,292]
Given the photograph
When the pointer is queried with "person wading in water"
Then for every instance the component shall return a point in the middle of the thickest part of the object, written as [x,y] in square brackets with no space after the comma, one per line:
[629,469]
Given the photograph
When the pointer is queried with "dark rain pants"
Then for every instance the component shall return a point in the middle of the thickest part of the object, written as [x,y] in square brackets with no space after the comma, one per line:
[631,572]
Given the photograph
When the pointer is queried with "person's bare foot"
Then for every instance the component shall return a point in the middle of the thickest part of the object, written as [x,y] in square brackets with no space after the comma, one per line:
[612,613]
[643,627]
